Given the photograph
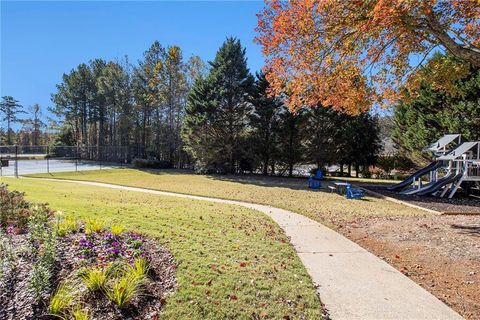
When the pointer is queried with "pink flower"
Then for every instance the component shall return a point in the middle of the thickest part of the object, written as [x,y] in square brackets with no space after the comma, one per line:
[10,230]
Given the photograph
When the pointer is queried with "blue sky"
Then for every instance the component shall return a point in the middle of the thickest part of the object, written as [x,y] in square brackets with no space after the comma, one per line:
[42,40]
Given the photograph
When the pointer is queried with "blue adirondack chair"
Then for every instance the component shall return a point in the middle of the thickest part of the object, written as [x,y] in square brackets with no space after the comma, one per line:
[314,182]
[353,193]
[318,175]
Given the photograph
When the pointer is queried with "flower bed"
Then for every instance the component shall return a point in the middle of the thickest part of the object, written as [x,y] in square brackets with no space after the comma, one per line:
[55,267]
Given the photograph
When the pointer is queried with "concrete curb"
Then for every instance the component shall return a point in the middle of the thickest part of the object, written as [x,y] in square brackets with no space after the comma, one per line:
[381,196]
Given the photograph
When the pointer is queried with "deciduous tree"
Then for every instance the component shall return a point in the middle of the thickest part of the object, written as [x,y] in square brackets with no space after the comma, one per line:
[350,54]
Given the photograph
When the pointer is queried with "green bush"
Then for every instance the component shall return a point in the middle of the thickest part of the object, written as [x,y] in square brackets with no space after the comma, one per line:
[140,266]
[63,299]
[65,226]
[124,289]
[43,244]
[94,226]
[117,229]
[95,278]
[151,164]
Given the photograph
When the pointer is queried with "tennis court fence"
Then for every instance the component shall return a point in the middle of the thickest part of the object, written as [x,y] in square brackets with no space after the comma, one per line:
[19,160]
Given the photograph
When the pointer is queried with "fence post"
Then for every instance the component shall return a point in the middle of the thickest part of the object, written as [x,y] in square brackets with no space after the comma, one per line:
[76,158]
[48,162]
[16,161]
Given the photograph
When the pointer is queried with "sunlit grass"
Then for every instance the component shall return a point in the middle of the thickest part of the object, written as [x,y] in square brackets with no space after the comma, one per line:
[232,262]
[290,194]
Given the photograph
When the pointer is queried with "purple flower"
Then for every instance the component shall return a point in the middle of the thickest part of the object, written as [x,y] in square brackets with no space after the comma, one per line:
[10,230]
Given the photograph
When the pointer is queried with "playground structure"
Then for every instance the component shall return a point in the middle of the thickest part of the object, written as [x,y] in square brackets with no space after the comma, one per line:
[455,163]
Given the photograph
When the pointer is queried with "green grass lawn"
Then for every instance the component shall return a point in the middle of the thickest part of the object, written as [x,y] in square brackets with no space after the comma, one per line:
[290,194]
[232,262]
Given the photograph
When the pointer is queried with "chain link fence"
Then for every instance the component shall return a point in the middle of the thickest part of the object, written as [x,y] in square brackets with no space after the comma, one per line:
[21,160]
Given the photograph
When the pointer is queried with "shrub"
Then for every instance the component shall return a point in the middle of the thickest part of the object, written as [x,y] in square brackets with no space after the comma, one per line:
[80,314]
[43,245]
[7,255]
[152,164]
[117,229]
[63,299]
[125,288]
[140,266]
[66,226]
[14,209]
[95,278]
[93,226]
[40,279]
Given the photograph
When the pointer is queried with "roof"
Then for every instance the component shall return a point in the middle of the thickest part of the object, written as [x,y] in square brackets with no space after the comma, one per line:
[459,151]
[442,142]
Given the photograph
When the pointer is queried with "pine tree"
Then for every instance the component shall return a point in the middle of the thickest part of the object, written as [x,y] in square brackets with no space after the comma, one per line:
[223,118]
[291,142]
[199,131]
[10,109]
[264,122]
[322,136]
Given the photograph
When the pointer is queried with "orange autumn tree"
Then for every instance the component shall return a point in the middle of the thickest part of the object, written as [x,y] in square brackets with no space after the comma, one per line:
[351,54]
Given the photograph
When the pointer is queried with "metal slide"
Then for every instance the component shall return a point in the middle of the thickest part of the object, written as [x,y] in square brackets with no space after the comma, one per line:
[416,189]
[434,187]
[408,181]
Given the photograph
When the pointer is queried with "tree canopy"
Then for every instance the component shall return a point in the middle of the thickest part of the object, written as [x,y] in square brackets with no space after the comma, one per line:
[350,54]
[433,112]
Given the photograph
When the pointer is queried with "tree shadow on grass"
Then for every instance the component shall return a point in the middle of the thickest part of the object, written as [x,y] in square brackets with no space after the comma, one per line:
[293,183]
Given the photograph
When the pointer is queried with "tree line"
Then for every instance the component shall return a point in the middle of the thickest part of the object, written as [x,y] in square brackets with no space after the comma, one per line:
[232,124]
[112,103]
[32,131]
[216,117]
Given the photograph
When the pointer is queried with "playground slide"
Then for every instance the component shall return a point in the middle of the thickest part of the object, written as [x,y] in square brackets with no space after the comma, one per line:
[434,187]
[416,189]
[432,166]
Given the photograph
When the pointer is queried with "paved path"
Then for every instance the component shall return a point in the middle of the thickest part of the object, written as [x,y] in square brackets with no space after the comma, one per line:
[352,282]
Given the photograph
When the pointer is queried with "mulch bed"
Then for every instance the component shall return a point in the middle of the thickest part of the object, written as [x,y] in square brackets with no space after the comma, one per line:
[439,252]
[457,205]
[17,300]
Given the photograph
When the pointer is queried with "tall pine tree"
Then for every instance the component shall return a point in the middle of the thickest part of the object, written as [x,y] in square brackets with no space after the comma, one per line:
[264,122]
[217,111]
[10,109]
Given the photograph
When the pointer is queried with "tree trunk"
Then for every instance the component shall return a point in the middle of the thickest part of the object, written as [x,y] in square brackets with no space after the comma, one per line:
[9,134]
[466,52]
[357,168]
[265,166]
[349,169]
[272,168]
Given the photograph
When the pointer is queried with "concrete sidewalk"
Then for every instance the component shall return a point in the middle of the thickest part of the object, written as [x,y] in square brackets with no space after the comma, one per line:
[352,282]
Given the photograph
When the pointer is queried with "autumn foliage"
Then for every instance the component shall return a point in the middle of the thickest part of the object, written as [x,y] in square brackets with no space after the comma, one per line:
[351,54]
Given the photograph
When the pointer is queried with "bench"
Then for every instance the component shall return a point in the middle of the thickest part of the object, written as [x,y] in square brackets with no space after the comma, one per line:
[332,188]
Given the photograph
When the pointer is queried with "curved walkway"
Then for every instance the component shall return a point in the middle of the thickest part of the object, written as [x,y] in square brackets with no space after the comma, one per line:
[352,282]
